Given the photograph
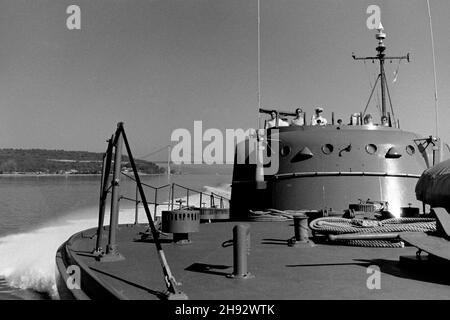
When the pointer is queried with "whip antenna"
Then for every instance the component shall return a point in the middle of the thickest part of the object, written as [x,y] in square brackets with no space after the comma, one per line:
[436,106]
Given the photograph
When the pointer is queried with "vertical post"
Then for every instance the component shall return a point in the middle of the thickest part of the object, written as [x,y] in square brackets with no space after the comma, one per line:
[187,198]
[201,199]
[168,199]
[241,249]
[103,194]
[383,86]
[156,202]
[101,214]
[111,248]
[168,164]
[173,195]
[332,118]
[301,229]
[136,210]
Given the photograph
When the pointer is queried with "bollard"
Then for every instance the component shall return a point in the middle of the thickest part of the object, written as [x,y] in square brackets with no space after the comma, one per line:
[241,249]
[301,237]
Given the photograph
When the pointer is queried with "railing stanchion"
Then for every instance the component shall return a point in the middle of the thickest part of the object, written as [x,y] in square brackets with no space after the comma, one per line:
[187,198]
[168,201]
[173,195]
[136,209]
[156,202]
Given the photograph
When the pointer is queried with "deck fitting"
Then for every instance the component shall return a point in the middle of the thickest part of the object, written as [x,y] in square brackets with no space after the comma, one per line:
[301,230]
[241,249]
[111,255]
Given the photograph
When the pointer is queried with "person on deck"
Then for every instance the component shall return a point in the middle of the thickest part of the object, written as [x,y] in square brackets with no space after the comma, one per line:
[384,121]
[317,119]
[275,121]
[299,119]
[368,120]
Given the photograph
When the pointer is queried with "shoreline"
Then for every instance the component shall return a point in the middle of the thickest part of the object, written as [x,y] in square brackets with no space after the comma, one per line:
[65,175]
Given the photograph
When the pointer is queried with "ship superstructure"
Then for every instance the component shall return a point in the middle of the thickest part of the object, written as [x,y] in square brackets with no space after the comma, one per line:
[331,166]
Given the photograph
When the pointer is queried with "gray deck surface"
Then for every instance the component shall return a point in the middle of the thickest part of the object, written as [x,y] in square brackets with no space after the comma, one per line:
[281,272]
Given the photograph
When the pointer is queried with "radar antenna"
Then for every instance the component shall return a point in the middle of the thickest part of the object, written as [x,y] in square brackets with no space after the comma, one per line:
[381,57]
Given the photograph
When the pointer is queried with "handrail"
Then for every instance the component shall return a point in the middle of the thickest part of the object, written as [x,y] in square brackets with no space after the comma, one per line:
[145,184]
[171,201]
[212,196]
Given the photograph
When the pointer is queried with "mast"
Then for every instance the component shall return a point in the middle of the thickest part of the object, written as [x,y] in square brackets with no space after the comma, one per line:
[380,36]
[381,57]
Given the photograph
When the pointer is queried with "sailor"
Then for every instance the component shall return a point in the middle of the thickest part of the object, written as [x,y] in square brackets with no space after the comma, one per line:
[384,121]
[368,120]
[276,121]
[355,119]
[317,119]
[299,119]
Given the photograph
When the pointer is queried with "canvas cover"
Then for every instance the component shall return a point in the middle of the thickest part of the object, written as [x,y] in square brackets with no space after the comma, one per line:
[433,187]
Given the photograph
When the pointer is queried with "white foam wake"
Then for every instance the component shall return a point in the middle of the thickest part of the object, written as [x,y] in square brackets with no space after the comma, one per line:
[27,260]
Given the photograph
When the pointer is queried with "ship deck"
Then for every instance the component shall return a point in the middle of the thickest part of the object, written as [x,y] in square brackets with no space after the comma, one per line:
[280,272]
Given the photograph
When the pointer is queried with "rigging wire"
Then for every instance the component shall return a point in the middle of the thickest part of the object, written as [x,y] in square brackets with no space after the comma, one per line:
[390,103]
[154,152]
[396,72]
[377,97]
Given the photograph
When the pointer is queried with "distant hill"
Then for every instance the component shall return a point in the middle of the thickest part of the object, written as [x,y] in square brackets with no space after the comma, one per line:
[62,162]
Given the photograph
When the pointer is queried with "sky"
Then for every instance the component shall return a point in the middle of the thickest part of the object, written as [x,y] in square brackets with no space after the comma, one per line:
[160,65]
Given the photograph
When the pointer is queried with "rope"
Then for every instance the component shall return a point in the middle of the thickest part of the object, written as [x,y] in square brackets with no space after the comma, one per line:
[335,225]
[371,243]
[332,225]
[273,215]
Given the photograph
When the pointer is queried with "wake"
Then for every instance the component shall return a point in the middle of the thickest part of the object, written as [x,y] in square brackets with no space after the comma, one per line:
[28,259]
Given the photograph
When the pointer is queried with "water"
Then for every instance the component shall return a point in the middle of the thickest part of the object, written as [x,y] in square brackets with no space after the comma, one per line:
[39,213]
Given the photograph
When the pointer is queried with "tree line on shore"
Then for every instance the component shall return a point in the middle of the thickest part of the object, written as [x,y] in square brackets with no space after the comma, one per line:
[42,161]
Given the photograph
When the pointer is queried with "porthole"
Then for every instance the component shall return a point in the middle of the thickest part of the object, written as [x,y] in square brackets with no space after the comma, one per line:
[410,150]
[285,151]
[371,148]
[327,148]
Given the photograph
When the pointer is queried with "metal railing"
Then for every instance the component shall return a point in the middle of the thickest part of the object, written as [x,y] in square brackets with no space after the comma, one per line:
[172,198]
[211,195]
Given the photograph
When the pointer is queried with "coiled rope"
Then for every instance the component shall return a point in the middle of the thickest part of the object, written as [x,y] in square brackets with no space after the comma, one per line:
[371,243]
[339,226]
[273,215]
